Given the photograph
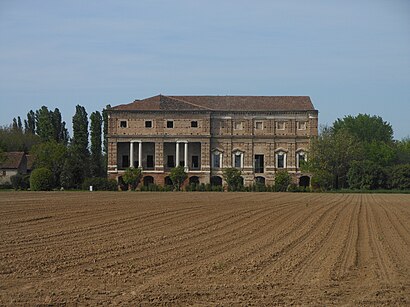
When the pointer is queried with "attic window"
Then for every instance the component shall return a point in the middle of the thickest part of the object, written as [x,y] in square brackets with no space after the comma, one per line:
[170,124]
[301,125]
[123,124]
[194,124]
[148,124]
[259,125]
[280,125]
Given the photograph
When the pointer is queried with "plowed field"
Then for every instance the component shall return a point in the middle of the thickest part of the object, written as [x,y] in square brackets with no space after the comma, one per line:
[204,248]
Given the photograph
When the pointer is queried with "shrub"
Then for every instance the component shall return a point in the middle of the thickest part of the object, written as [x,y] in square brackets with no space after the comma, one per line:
[41,179]
[178,176]
[20,182]
[132,177]
[282,181]
[399,177]
[100,184]
[366,175]
[233,178]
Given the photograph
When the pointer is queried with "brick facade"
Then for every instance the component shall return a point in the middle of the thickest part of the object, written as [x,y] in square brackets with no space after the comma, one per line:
[258,140]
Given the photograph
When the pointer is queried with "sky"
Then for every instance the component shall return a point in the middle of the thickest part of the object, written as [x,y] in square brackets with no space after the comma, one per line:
[350,56]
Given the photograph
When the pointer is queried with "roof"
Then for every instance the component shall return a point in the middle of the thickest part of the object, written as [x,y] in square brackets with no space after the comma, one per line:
[219,103]
[12,160]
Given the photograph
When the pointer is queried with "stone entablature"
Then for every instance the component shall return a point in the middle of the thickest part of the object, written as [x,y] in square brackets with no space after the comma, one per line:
[205,141]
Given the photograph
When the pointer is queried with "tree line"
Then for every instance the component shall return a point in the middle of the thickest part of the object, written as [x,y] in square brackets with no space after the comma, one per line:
[69,160]
[359,152]
[355,152]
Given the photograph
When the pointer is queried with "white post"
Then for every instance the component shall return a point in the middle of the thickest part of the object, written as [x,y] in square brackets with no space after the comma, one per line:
[186,156]
[177,154]
[140,154]
[131,154]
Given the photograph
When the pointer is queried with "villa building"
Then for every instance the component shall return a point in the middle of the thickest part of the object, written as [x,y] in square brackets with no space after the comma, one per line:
[259,135]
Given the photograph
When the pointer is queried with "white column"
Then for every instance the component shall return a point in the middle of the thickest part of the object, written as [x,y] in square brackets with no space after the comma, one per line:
[140,154]
[177,154]
[186,156]
[131,154]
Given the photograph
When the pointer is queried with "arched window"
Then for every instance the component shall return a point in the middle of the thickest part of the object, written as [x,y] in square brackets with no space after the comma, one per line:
[148,180]
[216,180]
[280,158]
[194,180]
[217,159]
[301,158]
[237,159]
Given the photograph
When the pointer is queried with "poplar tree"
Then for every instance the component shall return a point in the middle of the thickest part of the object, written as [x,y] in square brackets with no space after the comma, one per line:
[96,165]
[30,123]
[44,124]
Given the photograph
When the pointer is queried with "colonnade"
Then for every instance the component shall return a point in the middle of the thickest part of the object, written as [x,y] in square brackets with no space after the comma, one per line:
[176,153]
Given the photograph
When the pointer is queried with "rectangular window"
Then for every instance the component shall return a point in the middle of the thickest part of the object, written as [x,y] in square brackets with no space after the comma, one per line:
[301,160]
[125,161]
[170,161]
[216,160]
[123,124]
[148,124]
[301,125]
[194,124]
[259,164]
[195,162]
[280,125]
[170,124]
[150,161]
[238,125]
[258,125]
[281,160]
[238,161]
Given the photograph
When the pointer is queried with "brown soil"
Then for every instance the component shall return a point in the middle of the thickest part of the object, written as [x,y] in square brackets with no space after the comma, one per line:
[204,248]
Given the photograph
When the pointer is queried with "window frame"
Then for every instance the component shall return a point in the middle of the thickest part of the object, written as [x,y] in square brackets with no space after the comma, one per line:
[123,121]
[282,154]
[279,123]
[217,153]
[304,127]
[171,122]
[259,122]
[151,124]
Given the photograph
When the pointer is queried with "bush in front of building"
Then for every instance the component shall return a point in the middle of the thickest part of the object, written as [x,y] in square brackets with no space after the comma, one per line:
[233,178]
[282,181]
[132,177]
[20,182]
[41,179]
[178,176]
[100,184]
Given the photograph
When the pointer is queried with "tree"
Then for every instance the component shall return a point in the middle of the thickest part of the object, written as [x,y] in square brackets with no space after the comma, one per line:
[51,155]
[178,176]
[399,177]
[73,172]
[330,156]
[105,136]
[30,123]
[44,124]
[59,129]
[365,128]
[366,175]
[402,151]
[79,145]
[105,128]
[15,140]
[132,177]
[96,162]
[282,181]
[233,177]
[41,179]
[80,131]
[17,124]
